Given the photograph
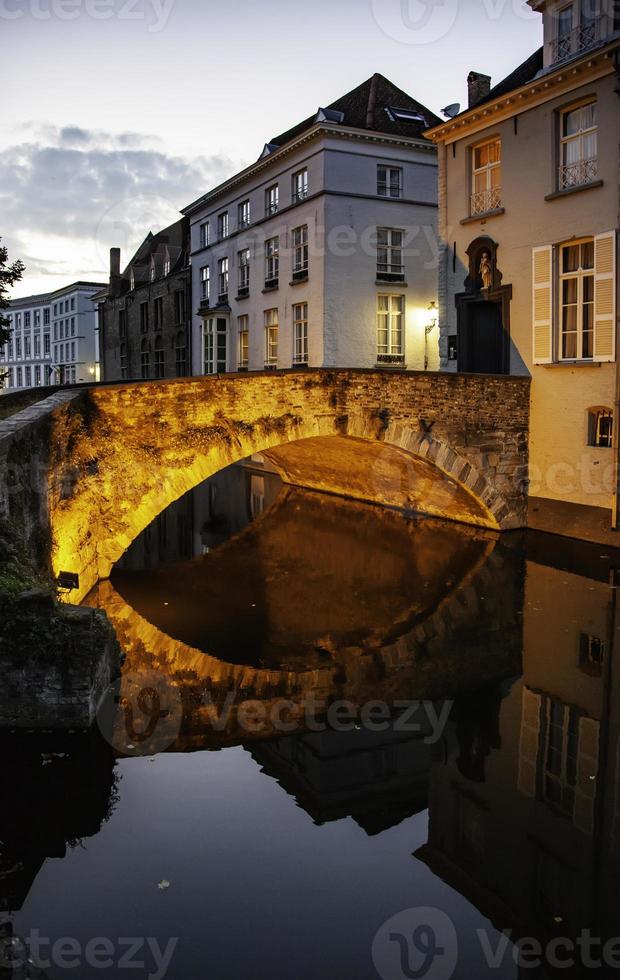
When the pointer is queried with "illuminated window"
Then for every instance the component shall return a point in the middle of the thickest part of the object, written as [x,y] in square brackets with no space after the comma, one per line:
[600,428]
[390,266]
[390,316]
[578,146]
[486,192]
[300,253]
[389,181]
[577,300]
[300,333]
[244,341]
[271,338]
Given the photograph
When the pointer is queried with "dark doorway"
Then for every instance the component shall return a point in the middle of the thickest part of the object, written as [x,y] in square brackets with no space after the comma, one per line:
[482,339]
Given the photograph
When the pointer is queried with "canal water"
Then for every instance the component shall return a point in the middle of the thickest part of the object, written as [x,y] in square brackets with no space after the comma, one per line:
[347,743]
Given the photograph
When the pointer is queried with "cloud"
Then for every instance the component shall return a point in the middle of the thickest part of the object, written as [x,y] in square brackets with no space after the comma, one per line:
[68,194]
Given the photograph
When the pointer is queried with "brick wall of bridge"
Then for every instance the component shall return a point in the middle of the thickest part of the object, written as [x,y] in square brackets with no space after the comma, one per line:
[87,470]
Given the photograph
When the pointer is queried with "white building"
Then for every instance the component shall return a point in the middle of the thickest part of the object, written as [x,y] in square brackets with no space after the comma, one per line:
[324,251]
[53,338]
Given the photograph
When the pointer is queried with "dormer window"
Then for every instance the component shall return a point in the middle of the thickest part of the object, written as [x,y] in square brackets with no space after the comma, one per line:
[152,269]
[575,29]
[166,263]
[405,115]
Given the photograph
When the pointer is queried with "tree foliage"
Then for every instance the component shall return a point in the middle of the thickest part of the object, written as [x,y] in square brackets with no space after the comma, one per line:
[9,275]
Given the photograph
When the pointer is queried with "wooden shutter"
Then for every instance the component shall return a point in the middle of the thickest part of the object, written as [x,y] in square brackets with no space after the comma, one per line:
[542,304]
[587,774]
[605,297]
[528,742]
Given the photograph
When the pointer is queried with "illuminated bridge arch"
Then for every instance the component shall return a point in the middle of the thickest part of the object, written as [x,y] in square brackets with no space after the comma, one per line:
[87,470]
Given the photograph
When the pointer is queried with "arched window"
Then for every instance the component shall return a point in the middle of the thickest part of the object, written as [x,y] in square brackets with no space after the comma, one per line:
[600,427]
[144,359]
[180,351]
[159,357]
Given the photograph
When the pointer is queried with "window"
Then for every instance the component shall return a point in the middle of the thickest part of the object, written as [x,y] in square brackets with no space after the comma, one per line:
[19,377]
[222,280]
[55,309]
[204,234]
[18,347]
[272,262]
[271,338]
[123,361]
[122,323]
[243,268]
[46,317]
[73,326]
[576,29]
[204,284]
[46,344]
[26,346]
[37,345]
[152,269]
[561,752]
[244,342]
[159,312]
[591,654]
[577,301]
[300,186]
[578,146]
[144,359]
[144,317]
[27,320]
[27,377]
[37,374]
[180,354]
[390,313]
[222,225]
[244,214]
[300,253]
[73,302]
[600,427]
[390,266]
[179,306]
[159,357]
[37,318]
[300,333]
[486,177]
[272,199]
[389,181]
[215,345]
[167,264]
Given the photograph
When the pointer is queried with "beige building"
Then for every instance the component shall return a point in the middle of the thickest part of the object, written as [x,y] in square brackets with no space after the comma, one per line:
[528,224]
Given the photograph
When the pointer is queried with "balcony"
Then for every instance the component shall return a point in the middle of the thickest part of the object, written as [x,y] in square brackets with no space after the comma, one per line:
[578,173]
[484,201]
[392,360]
[574,42]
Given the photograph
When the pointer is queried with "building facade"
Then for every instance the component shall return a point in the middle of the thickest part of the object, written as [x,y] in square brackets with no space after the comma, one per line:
[53,338]
[323,252]
[528,229]
[144,313]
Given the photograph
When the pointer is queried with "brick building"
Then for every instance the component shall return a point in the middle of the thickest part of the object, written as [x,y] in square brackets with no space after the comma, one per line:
[145,311]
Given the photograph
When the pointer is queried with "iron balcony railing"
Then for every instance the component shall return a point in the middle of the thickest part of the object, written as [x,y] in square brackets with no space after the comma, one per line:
[488,200]
[580,172]
[300,195]
[578,40]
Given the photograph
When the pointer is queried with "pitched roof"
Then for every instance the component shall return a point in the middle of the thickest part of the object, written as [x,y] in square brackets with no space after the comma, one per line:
[365,108]
[520,76]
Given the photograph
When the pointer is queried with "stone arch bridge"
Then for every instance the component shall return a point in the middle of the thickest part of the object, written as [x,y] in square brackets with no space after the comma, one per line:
[84,471]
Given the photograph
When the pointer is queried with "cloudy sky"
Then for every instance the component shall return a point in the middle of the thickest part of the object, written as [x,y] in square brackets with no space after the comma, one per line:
[118,112]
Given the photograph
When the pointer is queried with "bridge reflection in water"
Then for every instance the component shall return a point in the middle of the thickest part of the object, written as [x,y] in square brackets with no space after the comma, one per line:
[522,789]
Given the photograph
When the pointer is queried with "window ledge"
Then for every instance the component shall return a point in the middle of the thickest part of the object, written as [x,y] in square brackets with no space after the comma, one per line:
[574,190]
[574,364]
[271,289]
[241,296]
[391,282]
[483,216]
[299,282]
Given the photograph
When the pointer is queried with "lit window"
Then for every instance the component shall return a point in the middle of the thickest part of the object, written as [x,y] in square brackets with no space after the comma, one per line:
[578,146]
[390,315]
[300,186]
[222,280]
[243,269]
[600,428]
[300,253]
[222,225]
[577,300]
[272,262]
[215,343]
[591,654]
[244,341]
[272,199]
[244,214]
[390,266]
[389,181]
[271,338]
[486,177]
[204,284]
[300,333]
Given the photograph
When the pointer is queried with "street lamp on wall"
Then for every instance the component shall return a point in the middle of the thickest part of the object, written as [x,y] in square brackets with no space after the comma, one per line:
[428,329]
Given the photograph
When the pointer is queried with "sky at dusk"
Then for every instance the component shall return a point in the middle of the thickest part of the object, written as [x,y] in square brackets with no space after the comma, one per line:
[116,113]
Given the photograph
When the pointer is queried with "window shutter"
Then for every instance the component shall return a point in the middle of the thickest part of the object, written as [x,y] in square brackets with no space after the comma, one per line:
[528,742]
[605,297]
[542,304]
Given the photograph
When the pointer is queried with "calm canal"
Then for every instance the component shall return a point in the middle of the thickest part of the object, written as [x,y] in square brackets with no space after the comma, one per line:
[346,744]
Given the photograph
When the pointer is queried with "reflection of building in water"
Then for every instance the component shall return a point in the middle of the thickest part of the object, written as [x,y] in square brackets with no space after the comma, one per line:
[378,779]
[206,516]
[530,835]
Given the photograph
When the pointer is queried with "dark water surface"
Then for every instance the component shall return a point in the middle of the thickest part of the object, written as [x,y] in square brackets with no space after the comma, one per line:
[226,808]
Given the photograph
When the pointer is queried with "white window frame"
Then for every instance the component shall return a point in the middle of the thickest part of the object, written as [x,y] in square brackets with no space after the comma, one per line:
[390,263]
[271,321]
[390,185]
[243,329]
[391,311]
[214,344]
[244,214]
[243,269]
[300,185]
[204,234]
[300,252]
[584,170]
[489,198]
[580,275]
[272,261]
[272,199]
[223,225]
[223,271]
[300,333]
[205,284]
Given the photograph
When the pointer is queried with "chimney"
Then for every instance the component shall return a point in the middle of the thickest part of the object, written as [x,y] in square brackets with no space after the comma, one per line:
[115,271]
[478,87]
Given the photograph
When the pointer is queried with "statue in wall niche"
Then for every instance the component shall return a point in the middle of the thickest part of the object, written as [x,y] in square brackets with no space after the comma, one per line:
[486,271]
